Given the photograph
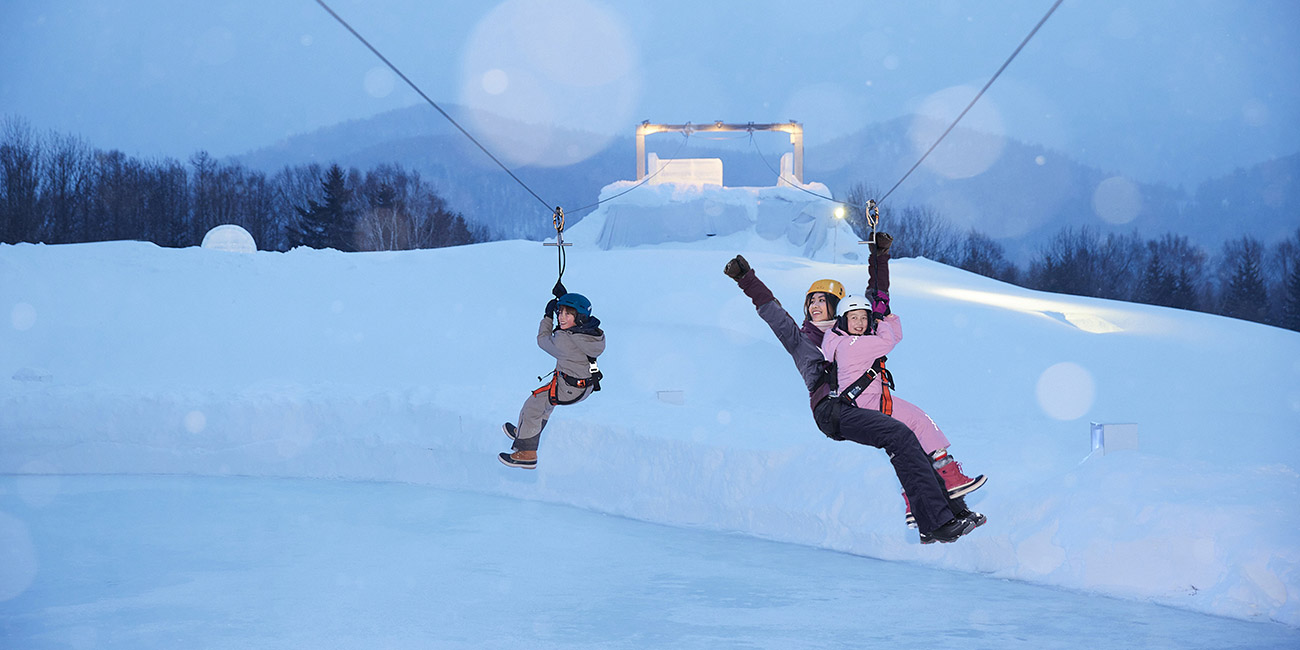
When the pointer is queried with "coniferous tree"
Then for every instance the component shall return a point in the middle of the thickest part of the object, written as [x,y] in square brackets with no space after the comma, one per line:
[328,224]
[1291,300]
[1156,286]
[1244,293]
[1184,292]
[458,234]
[1070,264]
[1186,265]
[1286,257]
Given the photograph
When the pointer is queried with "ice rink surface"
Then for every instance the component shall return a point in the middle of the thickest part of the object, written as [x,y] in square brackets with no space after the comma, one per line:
[191,562]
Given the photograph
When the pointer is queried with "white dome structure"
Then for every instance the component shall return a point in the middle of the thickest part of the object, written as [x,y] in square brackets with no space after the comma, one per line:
[230,237]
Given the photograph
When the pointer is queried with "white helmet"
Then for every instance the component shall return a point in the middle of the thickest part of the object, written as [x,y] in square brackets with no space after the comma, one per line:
[854,303]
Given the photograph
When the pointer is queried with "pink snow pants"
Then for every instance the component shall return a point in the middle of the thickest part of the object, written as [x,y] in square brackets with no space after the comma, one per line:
[927,432]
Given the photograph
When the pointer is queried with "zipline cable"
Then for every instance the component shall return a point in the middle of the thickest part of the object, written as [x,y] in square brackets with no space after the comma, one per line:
[430,101]
[872,207]
[795,183]
[976,99]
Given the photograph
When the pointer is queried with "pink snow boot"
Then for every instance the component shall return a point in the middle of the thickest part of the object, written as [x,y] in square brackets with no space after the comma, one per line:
[908,516]
[957,483]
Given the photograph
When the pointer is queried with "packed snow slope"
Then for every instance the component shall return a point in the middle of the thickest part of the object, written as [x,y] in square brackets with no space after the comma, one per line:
[127,358]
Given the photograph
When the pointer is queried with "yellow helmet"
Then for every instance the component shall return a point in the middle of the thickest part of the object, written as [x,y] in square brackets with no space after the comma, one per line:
[833,290]
[828,286]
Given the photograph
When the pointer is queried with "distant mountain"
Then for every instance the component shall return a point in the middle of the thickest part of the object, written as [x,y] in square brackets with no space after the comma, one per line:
[1262,200]
[1019,193]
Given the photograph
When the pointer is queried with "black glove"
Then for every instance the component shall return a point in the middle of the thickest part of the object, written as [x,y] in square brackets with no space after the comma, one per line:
[551,307]
[736,268]
[883,241]
[559,289]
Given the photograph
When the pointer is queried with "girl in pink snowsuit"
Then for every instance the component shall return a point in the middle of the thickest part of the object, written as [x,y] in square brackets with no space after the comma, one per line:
[854,354]
[858,354]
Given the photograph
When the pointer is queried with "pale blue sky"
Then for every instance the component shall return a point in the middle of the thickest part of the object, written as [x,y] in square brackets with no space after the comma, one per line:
[1161,90]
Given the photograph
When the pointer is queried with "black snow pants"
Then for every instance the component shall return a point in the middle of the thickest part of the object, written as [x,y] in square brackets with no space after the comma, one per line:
[923,486]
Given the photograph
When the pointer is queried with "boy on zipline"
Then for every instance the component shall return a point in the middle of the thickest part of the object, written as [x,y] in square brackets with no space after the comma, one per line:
[575,343]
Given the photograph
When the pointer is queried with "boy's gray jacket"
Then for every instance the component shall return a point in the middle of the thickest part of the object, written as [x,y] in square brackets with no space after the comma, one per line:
[570,348]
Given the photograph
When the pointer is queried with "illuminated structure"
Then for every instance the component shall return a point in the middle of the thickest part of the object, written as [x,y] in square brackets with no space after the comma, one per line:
[792,127]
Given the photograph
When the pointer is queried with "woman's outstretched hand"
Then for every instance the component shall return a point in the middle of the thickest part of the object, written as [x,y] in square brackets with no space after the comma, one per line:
[736,268]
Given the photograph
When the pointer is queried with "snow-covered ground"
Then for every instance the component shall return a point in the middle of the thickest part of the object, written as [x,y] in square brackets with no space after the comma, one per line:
[126,358]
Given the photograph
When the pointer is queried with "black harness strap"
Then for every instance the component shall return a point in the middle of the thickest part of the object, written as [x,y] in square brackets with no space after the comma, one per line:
[581,383]
[850,394]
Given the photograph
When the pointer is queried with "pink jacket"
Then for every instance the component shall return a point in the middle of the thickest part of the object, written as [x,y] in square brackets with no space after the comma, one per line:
[853,355]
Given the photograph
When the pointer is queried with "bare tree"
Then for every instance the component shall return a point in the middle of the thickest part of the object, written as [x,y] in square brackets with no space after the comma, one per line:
[169,207]
[293,187]
[983,255]
[66,184]
[921,232]
[20,154]
[386,221]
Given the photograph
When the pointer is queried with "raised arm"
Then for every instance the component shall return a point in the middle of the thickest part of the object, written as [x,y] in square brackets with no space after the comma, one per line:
[807,357]
[878,263]
[878,273]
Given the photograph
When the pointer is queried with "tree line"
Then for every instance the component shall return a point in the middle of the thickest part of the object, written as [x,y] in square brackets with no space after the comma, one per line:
[1244,279]
[57,189]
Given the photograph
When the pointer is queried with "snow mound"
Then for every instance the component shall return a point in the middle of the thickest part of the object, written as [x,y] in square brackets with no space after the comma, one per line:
[230,238]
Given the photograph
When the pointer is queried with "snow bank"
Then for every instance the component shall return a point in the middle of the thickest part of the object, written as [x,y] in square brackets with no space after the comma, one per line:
[127,358]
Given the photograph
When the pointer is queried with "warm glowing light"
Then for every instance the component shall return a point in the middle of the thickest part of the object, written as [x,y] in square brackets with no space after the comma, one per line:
[839,212]
[1085,318]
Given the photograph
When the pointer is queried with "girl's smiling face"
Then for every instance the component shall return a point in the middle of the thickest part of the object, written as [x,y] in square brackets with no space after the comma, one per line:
[858,320]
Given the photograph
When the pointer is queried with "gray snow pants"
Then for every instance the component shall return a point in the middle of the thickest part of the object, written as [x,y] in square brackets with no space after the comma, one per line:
[537,411]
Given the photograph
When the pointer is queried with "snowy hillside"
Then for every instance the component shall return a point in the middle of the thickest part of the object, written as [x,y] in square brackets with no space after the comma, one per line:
[124,357]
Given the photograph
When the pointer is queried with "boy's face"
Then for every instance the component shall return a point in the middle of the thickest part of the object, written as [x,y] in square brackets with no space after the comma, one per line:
[567,317]
[817,307]
[857,321]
